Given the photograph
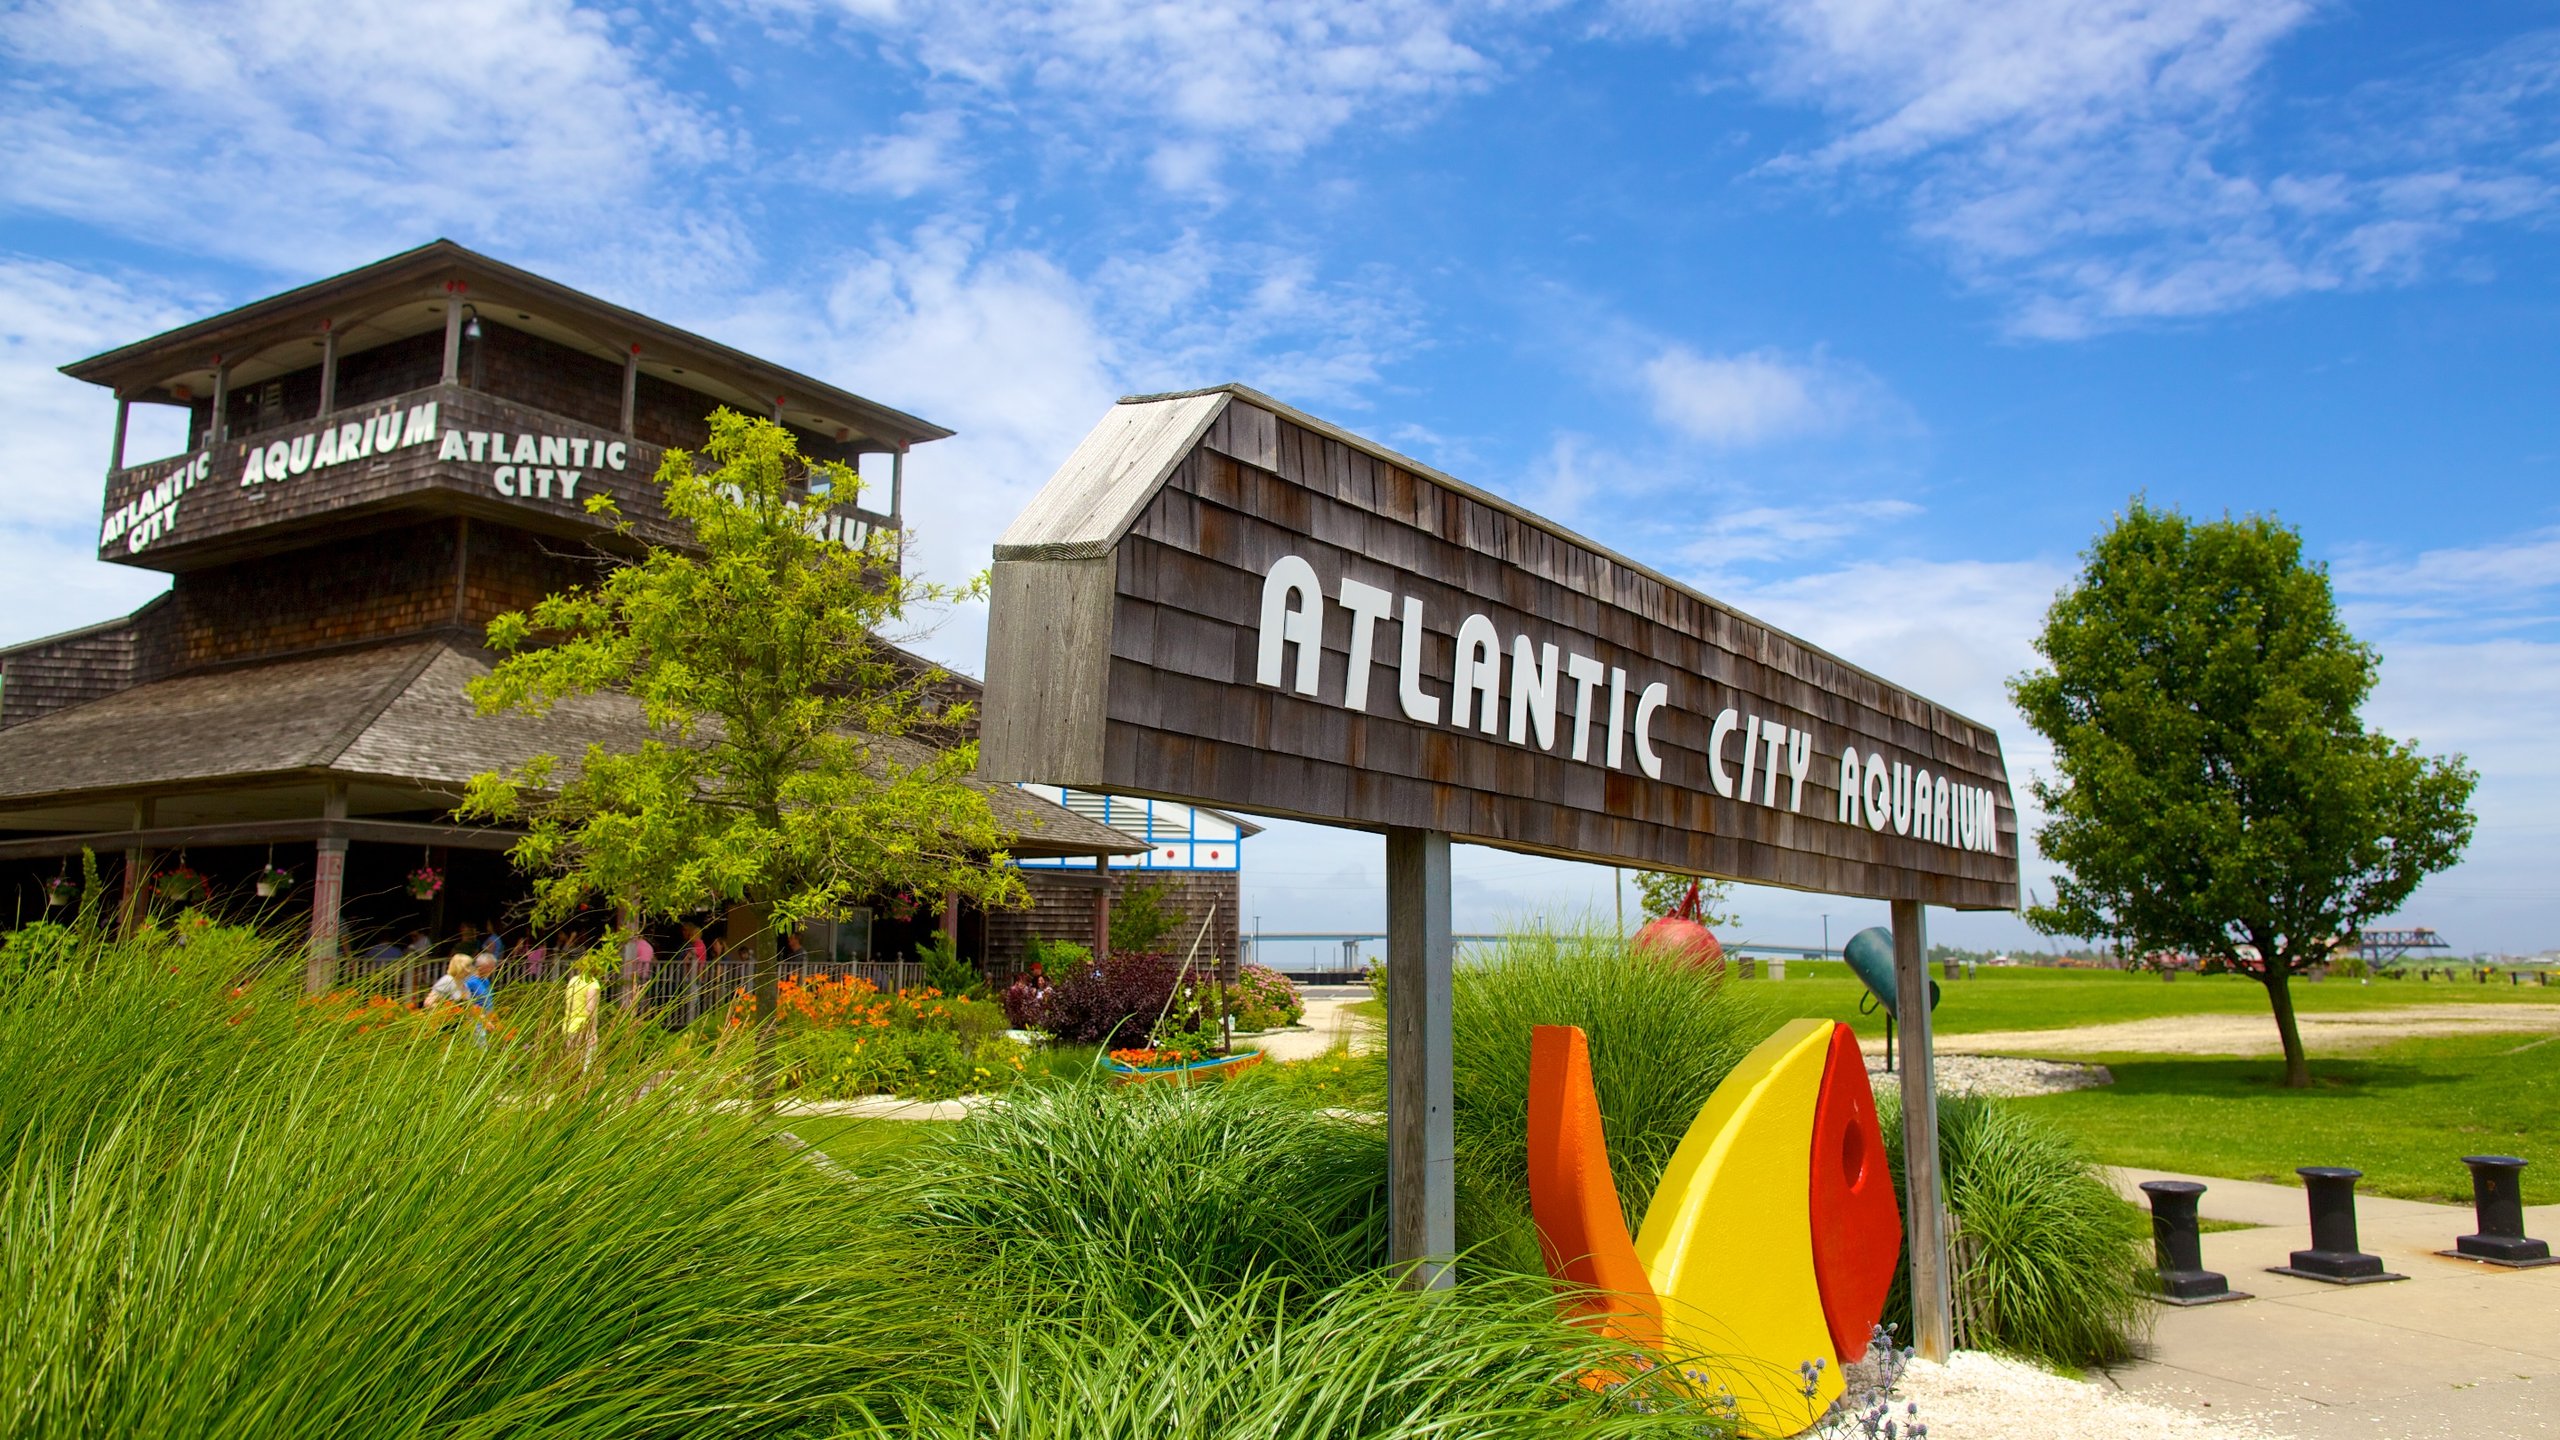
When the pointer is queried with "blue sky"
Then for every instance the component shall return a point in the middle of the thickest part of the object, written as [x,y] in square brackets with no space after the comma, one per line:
[1863,316]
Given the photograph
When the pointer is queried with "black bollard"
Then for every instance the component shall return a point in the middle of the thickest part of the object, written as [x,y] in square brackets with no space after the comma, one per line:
[2333,1255]
[2497,1198]
[2179,1248]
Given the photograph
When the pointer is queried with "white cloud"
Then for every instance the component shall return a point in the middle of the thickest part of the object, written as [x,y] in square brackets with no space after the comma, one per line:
[2091,161]
[1180,87]
[922,154]
[1749,398]
[1787,532]
[54,448]
[2504,583]
[295,134]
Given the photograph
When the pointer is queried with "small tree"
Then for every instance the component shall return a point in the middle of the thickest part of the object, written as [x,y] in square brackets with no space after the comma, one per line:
[1663,891]
[771,781]
[2215,792]
[1140,919]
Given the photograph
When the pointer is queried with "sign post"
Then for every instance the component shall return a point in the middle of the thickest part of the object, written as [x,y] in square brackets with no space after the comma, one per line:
[1221,601]
[1422,1197]
[1931,1305]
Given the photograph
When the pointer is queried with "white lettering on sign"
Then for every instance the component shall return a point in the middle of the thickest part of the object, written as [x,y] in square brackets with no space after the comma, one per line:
[531,467]
[1290,656]
[1755,759]
[337,444]
[1888,792]
[154,510]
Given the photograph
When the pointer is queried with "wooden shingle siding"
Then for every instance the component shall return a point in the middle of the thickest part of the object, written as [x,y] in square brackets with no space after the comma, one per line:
[1184,718]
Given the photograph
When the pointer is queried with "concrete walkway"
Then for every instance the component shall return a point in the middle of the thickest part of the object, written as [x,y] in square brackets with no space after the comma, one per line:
[1327,1024]
[2457,1349]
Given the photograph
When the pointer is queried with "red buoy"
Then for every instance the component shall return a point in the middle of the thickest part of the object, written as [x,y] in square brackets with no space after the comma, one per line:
[1681,936]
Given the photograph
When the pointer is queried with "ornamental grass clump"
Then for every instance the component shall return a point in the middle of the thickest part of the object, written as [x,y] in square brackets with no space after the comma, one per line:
[1367,1361]
[1662,1034]
[2056,1259]
[229,1212]
[1089,1188]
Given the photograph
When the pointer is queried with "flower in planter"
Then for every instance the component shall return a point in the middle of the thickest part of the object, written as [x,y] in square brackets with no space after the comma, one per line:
[179,884]
[272,881]
[61,890]
[425,882]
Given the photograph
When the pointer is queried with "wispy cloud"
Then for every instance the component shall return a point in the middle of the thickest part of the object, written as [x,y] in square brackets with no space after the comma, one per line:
[1181,88]
[2097,163]
[286,134]
[1751,397]
[2503,584]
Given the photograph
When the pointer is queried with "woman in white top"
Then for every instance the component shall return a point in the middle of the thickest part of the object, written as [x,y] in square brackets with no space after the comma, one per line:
[449,988]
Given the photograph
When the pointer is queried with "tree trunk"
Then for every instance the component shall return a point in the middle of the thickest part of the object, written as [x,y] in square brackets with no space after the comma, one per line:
[2279,983]
[750,924]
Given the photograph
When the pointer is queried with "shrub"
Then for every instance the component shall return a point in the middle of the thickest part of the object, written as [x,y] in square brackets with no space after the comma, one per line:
[1113,1189]
[1140,920]
[1366,1362]
[2058,1258]
[945,971]
[1663,1036]
[1264,999]
[1114,1001]
[224,1215]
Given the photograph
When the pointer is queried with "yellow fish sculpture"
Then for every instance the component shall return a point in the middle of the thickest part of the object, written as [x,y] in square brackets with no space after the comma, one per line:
[1770,1243]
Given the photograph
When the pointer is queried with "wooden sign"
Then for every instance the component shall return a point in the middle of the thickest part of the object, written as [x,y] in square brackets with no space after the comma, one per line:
[1226,602]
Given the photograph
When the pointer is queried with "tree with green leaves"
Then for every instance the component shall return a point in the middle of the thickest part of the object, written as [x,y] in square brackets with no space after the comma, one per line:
[776,776]
[2215,791]
[1662,892]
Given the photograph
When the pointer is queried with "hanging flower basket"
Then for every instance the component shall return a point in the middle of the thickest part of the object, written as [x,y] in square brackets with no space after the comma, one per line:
[61,890]
[179,886]
[902,906]
[272,882]
[425,882]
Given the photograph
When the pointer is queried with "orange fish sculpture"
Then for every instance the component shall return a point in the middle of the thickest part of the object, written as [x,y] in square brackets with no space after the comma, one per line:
[1770,1241]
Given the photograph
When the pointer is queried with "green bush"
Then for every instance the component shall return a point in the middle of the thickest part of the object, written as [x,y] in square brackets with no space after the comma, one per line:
[2058,1257]
[1140,920]
[945,971]
[1366,1362]
[1662,1038]
[1114,1188]
[1264,999]
[228,1211]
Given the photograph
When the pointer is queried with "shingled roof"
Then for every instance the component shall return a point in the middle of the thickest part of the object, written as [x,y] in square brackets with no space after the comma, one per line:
[394,713]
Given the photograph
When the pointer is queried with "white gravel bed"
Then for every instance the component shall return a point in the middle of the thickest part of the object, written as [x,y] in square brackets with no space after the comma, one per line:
[1975,1396]
[2003,1075]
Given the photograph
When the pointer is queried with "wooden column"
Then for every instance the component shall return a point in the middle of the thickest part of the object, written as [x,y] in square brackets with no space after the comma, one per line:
[452,338]
[328,890]
[124,417]
[1102,907]
[951,919]
[630,387]
[1422,1218]
[1923,1203]
[328,370]
[898,501]
[218,429]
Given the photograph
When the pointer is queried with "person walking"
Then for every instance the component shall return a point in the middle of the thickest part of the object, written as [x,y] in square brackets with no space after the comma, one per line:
[693,957]
[639,959]
[482,988]
[585,1010]
[453,986]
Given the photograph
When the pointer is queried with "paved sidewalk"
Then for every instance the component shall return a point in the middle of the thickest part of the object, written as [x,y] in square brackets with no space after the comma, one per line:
[1328,1023]
[2458,1349]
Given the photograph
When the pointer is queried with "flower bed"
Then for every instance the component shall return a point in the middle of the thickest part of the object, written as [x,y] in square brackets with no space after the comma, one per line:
[844,1039]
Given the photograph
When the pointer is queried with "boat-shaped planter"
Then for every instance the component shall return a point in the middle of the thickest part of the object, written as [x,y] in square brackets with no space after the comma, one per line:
[1211,1067]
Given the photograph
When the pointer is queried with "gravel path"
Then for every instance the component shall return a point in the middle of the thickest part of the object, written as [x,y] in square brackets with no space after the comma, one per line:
[2006,1076]
[1986,1397]
[2255,1034]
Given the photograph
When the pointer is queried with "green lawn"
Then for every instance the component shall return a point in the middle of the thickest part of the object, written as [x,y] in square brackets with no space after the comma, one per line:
[2025,998]
[2404,1114]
